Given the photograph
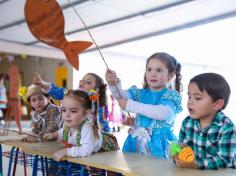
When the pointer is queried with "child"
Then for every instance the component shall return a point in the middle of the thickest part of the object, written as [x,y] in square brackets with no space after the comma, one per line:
[80,134]
[155,105]
[89,82]
[45,116]
[115,115]
[207,130]
[3,98]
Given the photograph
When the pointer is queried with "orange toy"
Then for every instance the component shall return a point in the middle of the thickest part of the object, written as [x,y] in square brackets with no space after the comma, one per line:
[186,155]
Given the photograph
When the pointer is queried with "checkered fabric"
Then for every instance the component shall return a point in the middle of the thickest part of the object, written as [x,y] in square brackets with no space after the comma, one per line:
[215,145]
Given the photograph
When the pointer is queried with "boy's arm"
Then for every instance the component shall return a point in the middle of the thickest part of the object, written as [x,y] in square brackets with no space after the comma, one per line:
[225,154]
[156,112]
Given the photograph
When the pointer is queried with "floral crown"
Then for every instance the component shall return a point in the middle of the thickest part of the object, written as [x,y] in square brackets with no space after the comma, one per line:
[93,95]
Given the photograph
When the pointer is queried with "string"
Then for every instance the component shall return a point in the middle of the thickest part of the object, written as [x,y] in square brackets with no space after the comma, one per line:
[15,131]
[89,34]
[95,45]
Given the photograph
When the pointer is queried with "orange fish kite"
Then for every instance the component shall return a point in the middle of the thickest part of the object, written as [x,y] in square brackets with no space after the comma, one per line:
[46,22]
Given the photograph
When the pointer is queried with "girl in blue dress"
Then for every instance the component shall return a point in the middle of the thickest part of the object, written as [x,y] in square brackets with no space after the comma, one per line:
[155,105]
[89,82]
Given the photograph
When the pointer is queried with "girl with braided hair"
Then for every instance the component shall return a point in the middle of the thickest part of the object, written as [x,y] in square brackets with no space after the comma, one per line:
[80,136]
[155,105]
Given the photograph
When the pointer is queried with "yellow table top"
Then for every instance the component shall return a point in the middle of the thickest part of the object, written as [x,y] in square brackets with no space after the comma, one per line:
[129,164]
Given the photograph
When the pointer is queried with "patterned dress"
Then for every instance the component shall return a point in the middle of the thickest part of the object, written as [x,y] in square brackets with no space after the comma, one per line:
[47,121]
[83,140]
[149,136]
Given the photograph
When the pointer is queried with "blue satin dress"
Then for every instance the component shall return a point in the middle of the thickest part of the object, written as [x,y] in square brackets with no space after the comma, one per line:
[148,136]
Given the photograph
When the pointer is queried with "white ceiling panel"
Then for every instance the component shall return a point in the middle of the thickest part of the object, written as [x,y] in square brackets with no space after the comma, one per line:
[113,22]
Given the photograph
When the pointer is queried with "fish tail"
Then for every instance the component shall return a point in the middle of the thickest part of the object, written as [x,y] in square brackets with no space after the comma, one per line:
[73,49]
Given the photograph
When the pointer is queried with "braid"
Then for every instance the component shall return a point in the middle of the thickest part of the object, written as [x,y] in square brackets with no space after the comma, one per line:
[178,77]
[95,122]
[173,68]
[102,89]
[102,95]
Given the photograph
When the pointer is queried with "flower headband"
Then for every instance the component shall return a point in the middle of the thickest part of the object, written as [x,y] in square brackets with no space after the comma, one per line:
[93,95]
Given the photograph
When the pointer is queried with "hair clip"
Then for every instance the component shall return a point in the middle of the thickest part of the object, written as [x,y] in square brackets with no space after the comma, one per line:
[93,96]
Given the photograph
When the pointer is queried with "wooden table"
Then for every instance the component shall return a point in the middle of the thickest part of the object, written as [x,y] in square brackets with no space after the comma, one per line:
[126,163]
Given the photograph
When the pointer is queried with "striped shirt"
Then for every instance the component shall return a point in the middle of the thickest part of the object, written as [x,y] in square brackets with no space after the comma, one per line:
[215,145]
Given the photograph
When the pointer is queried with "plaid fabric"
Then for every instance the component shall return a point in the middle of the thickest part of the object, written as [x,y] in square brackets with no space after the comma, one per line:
[215,145]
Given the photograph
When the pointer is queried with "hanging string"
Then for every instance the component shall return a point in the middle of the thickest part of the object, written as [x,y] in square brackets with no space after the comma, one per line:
[92,39]
[89,34]
[95,45]
[15,131]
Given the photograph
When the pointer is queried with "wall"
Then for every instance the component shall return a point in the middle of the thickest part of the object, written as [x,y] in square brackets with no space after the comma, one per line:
[44,66]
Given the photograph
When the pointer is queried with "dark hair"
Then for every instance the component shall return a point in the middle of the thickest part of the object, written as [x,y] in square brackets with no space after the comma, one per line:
[172,66]
[102,89]
[86,103]
[214,84]
[82,97]
[44,94]
[2,76]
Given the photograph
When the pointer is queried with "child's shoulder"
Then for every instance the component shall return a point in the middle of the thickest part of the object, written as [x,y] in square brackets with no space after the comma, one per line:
[175,98]
[52,107]
[134,88]
[88,124]
[187,120]
[134,92]
[224,122]
[172,94]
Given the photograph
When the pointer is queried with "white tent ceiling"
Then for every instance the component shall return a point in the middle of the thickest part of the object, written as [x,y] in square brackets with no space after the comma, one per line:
[111,22]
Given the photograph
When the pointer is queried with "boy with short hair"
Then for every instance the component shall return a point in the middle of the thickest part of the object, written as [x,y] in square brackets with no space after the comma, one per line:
[210,134]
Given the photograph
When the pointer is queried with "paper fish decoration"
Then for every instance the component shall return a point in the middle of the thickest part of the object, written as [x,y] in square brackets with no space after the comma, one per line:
[46,22]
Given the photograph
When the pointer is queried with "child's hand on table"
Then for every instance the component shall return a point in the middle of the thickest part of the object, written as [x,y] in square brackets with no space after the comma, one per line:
[57,156]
